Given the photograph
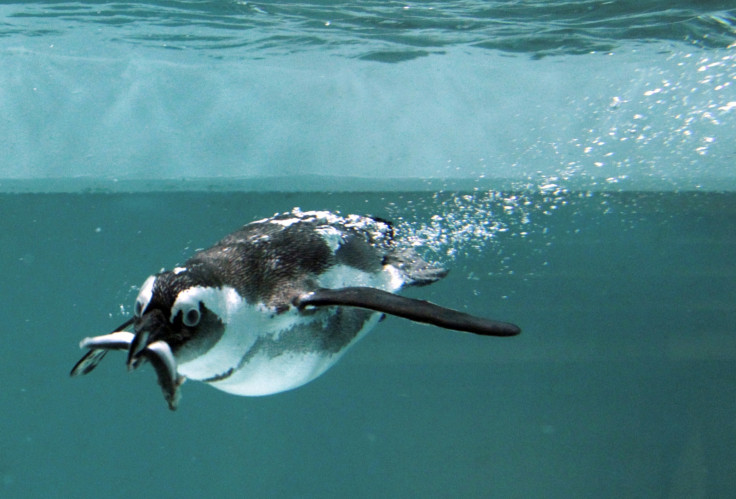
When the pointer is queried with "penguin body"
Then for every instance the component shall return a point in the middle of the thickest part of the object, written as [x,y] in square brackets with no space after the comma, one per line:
[273,305]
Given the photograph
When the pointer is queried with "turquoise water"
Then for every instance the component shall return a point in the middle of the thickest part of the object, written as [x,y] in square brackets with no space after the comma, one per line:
[571,163]
[621,384]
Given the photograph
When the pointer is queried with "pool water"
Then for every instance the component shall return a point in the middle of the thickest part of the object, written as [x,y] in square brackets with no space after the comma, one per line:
[621,384]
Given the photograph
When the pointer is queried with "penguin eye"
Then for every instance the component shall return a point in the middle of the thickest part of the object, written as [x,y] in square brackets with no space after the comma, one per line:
[191,317]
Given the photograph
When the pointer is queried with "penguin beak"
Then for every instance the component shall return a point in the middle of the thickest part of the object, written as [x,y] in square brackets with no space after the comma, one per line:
[149,328]
[148,344]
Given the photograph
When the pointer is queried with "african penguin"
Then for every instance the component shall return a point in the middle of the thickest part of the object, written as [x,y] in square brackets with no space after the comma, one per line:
[274,304]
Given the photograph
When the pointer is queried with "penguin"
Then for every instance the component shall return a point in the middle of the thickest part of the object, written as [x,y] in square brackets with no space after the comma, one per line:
[275,304]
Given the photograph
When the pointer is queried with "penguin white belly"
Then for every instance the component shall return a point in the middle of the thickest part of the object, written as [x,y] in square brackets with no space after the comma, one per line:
[264,374]
[262,352]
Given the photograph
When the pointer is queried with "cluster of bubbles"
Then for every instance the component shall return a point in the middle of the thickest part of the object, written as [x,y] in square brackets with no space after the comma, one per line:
[455,224]
[661,132]
[664,130]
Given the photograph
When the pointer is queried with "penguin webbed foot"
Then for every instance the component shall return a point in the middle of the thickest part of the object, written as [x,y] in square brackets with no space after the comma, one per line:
[415,270]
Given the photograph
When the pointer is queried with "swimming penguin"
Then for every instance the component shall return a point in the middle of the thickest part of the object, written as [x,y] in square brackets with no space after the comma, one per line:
[274,304]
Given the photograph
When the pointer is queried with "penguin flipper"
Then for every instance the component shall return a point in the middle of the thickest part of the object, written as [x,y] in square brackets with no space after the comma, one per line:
[408,308]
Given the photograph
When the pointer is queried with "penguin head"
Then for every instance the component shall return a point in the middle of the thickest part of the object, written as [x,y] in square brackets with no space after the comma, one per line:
[183,308]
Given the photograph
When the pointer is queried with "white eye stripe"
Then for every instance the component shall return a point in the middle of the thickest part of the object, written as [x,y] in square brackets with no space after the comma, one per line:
[144,296]
[220,301]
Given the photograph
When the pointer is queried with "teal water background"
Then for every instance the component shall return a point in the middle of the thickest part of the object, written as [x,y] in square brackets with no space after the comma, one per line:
[571,163]
[621,384]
